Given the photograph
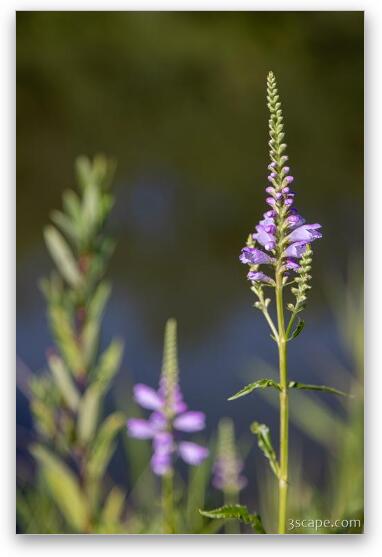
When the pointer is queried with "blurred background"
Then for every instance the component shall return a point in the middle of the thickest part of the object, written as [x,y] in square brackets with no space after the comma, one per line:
[179,100]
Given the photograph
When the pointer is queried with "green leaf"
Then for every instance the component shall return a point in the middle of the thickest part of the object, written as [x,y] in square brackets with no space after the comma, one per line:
[66,339]
[238,512]
[65,224]
[88,414]
[108,365]
[113,506]
[63,487]
[323,388]
[265,444]
[62,256]
[298,330]
[103,445]
[64,381]
[259,384]
[90,334]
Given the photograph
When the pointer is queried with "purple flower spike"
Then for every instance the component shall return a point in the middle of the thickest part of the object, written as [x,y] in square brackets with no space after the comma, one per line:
[169,415]
[140,429]
[305,233]
[147,397]
[288,202]
[192,453]
[190,421]
[271,166]
[271,201]
[288,179]
[258,276]
[253,256]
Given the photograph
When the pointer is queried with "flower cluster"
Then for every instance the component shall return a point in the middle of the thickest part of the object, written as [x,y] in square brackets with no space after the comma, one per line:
[228,466]
[282,233]
[169,415]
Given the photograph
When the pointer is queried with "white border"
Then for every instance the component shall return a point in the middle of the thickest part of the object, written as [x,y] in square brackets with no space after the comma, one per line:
[187,546]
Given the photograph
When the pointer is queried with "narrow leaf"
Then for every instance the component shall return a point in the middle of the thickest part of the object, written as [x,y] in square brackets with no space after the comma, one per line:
[265,444]
[113,506]
[298,330]
[259,384]
[323,388]
[64,381]
[103,445]
[108,365]
[238,512]
[88,413]
[64,488]
[62,256]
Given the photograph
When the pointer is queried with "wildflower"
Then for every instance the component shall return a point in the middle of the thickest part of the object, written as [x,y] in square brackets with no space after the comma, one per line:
[169,416]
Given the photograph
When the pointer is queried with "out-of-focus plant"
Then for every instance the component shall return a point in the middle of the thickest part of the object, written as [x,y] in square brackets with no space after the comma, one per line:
[284,239]
[169,416]
[227,469]
[75,444]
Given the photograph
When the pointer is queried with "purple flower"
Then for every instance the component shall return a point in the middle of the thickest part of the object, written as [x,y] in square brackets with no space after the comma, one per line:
[294,220]
[147,397]
[192,453]
[258,276]
[291,265]
[305,233]
[295,250]
[169,416]
[253,256]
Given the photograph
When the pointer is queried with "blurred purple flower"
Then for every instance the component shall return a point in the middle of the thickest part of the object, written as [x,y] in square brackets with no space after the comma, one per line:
[162,427]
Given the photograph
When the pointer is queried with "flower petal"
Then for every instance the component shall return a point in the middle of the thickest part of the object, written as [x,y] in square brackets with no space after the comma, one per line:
[296,250]
[190,421]
[161,463]
[254,256]
[305,233]
[147,397]
[192,453]
[140,429]
[258,276]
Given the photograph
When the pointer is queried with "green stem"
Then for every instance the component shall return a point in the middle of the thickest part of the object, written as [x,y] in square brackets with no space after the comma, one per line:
[283,476]
[168,503]
[231,526]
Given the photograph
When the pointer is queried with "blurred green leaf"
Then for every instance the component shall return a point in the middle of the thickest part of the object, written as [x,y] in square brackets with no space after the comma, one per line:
[66,225]
[238,512]
[265,444]
[62,256]
[108,365]
[90,333]
[103,445]
[88,414]
[113,506]
[259,384]
[64,488]
[66,340]
[196,492]
[64,381]
[323,388]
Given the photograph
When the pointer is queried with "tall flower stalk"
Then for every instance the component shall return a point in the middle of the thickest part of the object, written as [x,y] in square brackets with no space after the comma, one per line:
[279,257]
[169,416]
